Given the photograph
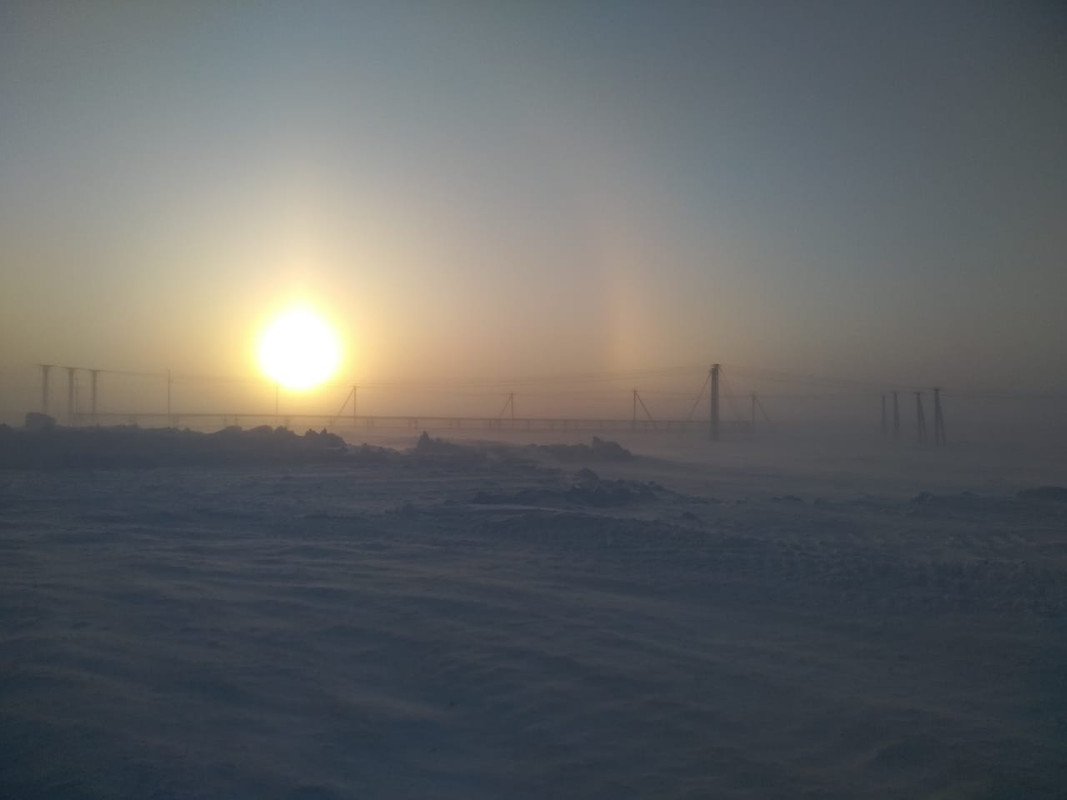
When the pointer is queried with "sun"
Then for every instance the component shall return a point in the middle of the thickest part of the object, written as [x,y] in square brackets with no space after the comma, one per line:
[299,350]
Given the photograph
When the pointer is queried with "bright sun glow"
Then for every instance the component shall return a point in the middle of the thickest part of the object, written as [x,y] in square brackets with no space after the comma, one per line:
[299,350]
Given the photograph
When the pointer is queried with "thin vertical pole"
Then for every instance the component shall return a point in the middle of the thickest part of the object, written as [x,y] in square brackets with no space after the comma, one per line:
[896,416]
[714,417]
[70,394]
[939,420]
[920,419]
[93,373]
[45,369]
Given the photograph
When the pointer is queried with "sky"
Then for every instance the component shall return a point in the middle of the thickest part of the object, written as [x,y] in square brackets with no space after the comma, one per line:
[864,189]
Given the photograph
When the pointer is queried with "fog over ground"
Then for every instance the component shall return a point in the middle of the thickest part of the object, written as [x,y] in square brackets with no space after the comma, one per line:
[866,191]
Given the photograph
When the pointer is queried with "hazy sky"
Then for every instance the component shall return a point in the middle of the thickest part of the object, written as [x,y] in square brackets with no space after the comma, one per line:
[867,189]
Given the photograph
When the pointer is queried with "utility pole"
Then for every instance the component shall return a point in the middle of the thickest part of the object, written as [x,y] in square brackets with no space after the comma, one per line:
[45,369]
[340,411]
[885,427]
[637,398]
[920,419]
[93,373]
[939,420]
[713,418]
[896,416]
[766,419]
[509,403]
[70,394]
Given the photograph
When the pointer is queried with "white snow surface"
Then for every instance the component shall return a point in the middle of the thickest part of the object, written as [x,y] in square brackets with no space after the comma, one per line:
[756,624]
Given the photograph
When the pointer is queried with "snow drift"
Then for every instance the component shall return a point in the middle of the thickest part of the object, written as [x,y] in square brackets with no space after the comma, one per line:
[478,622]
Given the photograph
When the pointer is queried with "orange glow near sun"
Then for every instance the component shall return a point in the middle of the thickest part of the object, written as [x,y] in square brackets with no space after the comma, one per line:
[299,350]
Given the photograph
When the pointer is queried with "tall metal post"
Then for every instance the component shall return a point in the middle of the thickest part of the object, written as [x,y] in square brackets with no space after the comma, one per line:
[939,420]
[713,421]
[93,373]
[45,369]
[920,419]
[70,394]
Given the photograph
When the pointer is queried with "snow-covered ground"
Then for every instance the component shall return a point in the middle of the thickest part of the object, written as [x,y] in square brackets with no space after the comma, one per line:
[754,623]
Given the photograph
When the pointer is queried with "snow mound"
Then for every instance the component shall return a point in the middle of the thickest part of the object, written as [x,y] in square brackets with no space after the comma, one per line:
[599,450]
[588,490]
[1057,494]
[441,451]
[42,447]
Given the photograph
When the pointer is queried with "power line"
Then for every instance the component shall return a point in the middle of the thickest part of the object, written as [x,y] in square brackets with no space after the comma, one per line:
[542,384]
[796,377]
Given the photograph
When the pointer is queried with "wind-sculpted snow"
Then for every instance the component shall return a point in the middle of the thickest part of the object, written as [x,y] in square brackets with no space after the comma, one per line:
[453,625]
[587,489]
[597,450]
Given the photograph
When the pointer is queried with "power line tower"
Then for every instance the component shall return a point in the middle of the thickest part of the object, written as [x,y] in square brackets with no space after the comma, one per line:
[700,395]
[920,419]
[713,417]
[639,402]
[509,403]
[939,420]
[45,370]
[71,410]
[350,396]
[766,419]
[93,375]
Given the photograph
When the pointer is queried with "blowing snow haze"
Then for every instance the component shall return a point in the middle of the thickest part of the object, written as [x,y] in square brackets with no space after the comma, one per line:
[873,191]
